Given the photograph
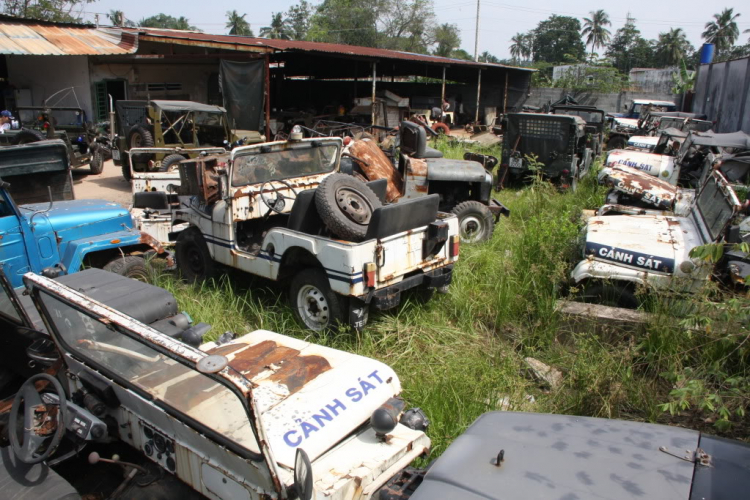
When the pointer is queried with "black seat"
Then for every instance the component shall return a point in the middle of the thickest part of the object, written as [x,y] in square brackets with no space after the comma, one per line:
[379,187]
[403,216]
[22,481]
[414,142]
[304,216]
[156,200]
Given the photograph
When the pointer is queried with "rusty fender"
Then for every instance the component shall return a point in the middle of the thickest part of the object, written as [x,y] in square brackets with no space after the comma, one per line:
[149,240]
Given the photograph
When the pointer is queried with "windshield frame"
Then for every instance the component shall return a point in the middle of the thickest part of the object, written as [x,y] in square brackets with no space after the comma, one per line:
[730,198]
[143,334]
[280,146]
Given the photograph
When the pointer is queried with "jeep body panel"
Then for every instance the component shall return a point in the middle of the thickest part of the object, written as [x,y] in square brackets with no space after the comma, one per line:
[645,143]
[234,431]
[660,166]
[33,168]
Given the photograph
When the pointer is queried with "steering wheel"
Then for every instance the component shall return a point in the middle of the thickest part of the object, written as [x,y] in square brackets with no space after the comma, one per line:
[277,205]
[43,423]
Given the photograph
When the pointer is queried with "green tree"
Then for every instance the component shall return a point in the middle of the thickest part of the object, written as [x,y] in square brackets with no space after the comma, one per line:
[629,49]
[447,39]
[46,10]
[351,22]
[167,22]
[672,47]
[683,79]
[279,28]
[488,58]
[237,25]
[518,47]
[558,39]
[461,54]
[406,25]
[594,29]
[722,31]
[298,20]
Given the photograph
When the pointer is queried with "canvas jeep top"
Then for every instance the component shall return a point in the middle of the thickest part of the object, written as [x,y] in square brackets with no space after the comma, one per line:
[262,415]
[282,211]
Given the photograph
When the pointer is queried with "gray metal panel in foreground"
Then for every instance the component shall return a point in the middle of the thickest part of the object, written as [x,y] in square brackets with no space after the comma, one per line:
[562,457]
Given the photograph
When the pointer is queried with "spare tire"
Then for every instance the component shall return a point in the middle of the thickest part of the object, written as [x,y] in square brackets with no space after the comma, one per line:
[170,161]
[140,136]
[26,136]
[441,128]
[345,204]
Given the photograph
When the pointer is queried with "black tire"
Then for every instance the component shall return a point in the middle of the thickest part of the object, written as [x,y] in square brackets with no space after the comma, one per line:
[126,173]
[345,204]
[314,304]
[170,160]
[97,162]
[608,294]
[616,142]
[27,136]
[140,137]
[193,257]
[130,266]
[475,221]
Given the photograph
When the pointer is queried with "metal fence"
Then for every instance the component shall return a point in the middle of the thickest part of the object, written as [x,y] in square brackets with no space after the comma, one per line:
[722,92]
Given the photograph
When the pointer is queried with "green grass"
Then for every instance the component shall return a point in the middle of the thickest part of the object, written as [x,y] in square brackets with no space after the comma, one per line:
[462,353]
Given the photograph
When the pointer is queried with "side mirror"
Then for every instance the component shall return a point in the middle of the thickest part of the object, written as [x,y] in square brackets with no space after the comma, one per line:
[303,478]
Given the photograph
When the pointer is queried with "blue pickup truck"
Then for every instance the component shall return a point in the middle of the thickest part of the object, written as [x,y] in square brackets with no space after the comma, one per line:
[44,229]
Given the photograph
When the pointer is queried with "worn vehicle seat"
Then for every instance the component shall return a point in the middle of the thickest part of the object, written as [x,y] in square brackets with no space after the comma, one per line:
[414,142]
[22,481]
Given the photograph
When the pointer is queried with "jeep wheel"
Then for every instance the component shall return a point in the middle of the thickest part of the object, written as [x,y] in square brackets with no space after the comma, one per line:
[27,136]
[140,137]
[129,266]
[97,162]
[126,173]
[608,294]
[169,162]
[193,258]
[617,142]
[345,205]
[475,221]
[313,302]
[441,128]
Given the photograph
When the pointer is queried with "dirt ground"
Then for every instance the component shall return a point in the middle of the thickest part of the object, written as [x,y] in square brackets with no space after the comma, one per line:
[109,185]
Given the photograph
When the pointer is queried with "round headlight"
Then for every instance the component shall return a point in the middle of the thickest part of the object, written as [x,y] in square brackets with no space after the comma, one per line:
[687,267]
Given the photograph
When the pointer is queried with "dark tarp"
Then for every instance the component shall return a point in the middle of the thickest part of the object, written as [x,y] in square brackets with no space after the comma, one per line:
[242,86]
[738,140]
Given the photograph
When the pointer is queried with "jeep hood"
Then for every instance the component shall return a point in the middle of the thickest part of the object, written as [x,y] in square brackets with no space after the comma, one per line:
[653,243]
[628,123]
[653,164]
[75,213]
[640,185]
[647,142]
[309,396]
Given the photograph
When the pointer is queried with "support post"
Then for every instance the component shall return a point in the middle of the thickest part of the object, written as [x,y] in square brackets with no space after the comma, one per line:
[268,98]
[479,94]
[476,37]
[374,74]
[505,99]
[442,93]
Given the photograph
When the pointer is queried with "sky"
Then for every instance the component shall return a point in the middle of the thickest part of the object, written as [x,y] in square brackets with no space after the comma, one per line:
[498,21]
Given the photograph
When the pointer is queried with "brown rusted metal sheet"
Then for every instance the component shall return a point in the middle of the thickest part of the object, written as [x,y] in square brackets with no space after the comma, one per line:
[24,37]
[418,167]
[376,165]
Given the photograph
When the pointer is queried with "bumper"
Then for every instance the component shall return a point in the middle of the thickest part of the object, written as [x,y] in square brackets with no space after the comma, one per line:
[498,209]
[388,297]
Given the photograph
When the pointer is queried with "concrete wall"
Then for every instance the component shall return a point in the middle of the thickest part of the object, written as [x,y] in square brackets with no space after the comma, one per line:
[45,75]
[610,103]
[722,91]
[652,80]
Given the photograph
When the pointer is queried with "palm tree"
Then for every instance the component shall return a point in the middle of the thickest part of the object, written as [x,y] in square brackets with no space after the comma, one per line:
[594,29]
[279,28]
[116,16]
[518,47]
[722,31]
[672,46]
[237,24]
[528,45]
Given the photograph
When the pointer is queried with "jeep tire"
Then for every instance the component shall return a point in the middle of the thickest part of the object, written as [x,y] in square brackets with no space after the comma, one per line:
[26,136]
[140,137]
[475,221]
[345,204]
[616,142]
[130,266]
[169,161]
[314,304]
[193,257]
[96,164]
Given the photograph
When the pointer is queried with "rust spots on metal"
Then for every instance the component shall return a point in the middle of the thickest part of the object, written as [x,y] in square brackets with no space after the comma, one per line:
[418,167]
[289,367]
[673,222]
[595,222]
[149,240]
[643,186]
[225,350]
[421,189]
[376,165]
[45,419]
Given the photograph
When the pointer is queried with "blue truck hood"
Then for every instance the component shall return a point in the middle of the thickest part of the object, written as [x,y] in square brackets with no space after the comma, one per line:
[72,214]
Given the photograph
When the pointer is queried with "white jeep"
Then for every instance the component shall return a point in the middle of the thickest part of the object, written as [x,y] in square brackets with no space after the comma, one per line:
[282,211]
[622,251]
[260,416]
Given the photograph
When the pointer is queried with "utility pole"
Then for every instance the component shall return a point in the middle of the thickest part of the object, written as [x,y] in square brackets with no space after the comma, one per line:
[476,37]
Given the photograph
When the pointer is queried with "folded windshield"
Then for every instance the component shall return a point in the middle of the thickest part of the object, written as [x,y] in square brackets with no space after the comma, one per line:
[715,208]
[291,162]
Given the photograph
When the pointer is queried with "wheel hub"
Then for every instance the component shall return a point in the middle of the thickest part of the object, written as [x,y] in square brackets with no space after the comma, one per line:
[354,205]
[313,307]
[471,229]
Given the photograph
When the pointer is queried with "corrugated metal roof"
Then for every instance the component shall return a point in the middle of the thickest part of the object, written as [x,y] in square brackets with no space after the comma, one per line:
[259,44]
[24,37]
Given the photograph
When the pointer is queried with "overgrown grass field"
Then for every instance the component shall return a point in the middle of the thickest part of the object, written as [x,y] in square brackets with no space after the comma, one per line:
[461,354]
